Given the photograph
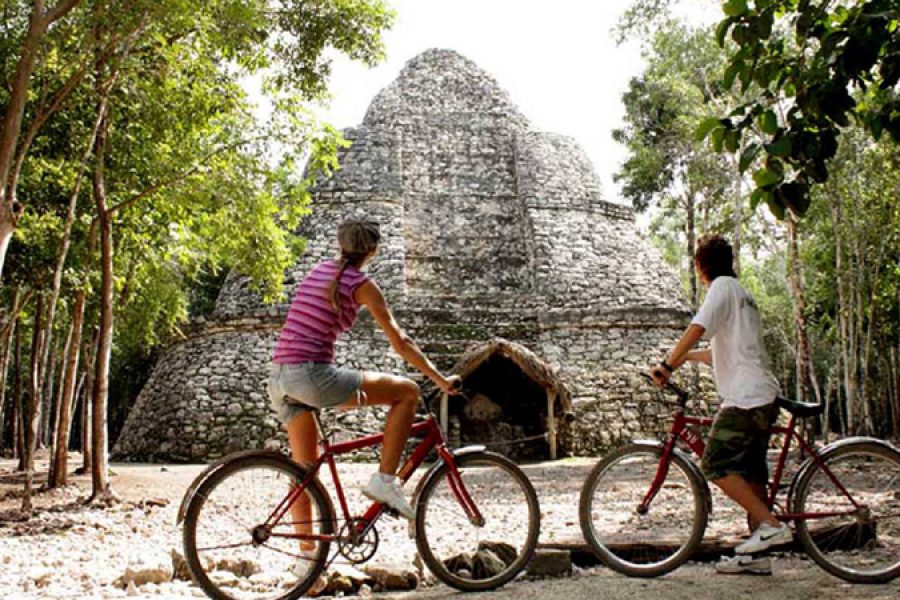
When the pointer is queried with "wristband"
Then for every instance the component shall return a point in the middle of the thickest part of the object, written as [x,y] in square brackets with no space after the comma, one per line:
[666,366]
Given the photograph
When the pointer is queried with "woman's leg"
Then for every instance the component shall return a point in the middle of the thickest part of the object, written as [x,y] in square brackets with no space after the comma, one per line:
[402,395]
[303,438]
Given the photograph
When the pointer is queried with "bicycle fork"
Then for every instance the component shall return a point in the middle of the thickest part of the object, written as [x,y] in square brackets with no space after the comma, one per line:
[662,471]
[459,488]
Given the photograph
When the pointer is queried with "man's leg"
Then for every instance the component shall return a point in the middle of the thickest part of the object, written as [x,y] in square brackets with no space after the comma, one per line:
[761,492]
[741,491]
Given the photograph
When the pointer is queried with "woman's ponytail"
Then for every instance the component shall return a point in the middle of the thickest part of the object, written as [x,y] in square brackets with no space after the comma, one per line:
[334,290]
[357,239]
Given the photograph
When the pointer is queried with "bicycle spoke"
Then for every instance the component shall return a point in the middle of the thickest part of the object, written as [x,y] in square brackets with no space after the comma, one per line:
[225,546]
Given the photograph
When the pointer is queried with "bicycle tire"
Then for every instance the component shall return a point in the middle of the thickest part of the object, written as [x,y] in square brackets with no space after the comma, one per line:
[319,498]
[618,560]
[833,542]
[438,565]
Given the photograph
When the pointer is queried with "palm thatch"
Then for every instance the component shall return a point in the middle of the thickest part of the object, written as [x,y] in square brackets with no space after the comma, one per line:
[533,367]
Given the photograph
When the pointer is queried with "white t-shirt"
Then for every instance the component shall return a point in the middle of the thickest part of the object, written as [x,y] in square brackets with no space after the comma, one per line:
[740,363]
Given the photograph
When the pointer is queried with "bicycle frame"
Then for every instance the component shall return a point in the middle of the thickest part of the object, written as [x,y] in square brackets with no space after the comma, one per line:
[681,430]
[433,439]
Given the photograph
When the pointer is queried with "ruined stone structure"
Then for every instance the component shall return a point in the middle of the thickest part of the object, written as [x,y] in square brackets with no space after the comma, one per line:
[491,229]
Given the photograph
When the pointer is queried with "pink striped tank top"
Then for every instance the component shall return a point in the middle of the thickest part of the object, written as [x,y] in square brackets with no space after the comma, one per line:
[312,325]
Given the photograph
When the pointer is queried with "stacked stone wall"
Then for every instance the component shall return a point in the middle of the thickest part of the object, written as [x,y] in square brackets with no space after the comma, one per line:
[490,229]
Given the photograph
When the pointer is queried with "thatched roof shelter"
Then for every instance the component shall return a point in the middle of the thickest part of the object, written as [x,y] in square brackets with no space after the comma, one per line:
[532,365]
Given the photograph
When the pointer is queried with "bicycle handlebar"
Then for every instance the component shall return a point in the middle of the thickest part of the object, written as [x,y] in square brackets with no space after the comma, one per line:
[682,395]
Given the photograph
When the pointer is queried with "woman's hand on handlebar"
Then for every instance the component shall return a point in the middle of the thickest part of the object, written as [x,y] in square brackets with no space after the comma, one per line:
[451,385]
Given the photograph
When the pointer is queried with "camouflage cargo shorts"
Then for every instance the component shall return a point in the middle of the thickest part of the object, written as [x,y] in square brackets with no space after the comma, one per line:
[738,443]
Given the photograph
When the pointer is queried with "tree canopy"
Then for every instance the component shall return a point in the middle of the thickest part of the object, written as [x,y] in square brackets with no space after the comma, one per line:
[811,69]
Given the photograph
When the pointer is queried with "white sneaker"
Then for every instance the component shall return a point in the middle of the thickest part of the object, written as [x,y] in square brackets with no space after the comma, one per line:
[391,494]
[744,565]
[764,538]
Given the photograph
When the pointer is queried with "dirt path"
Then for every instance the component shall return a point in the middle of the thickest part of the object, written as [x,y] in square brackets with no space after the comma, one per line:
[69,551]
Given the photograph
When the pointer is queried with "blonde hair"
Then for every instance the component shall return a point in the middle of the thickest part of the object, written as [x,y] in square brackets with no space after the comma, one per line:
[357,238]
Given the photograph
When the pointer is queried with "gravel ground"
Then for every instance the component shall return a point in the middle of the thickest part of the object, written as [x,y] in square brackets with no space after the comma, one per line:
[70,551]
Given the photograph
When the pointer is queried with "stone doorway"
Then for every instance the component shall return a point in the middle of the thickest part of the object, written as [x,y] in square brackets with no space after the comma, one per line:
[512,395]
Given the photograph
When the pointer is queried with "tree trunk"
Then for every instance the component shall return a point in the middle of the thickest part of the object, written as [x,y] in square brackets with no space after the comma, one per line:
[12,122]
[57,410]
[738,223]
[849,391]
[797,293]
[38,22]
[19,417]
[100,470]
[66,398]
[34,416]
[87,402]
[48,389]
[65,241]
[895,396]
[691,235]
[4,374]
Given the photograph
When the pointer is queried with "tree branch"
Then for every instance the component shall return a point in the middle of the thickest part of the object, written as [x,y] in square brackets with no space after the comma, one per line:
[175,179]
[62,8]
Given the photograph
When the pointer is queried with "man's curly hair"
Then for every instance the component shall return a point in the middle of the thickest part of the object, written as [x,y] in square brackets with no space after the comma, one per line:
[714,256]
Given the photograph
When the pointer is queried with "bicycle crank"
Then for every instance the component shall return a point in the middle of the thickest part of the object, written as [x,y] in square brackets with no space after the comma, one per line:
[358,541]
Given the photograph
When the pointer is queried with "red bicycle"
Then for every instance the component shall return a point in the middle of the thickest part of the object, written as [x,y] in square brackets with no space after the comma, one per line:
[644,508]
[476,526]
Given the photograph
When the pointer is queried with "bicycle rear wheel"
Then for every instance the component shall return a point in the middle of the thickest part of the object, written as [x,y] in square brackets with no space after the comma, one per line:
[660,539]
[863,544]
[229,552]
[484,556]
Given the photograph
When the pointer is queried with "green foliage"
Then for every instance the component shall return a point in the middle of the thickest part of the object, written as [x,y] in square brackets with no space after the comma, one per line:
[811,69]
[664,107]
[198,184]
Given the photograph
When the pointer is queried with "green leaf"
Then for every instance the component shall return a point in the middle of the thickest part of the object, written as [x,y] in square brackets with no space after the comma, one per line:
[718,135]
[706,126]
[776,207]
[722,30]
[732,140]
[735,8]
[780,147]
[748,156]
[765,178]
[768,122]
[731,73]
[759,195]
[795,196]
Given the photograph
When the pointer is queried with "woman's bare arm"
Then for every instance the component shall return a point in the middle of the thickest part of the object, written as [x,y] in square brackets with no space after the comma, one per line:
[370,296]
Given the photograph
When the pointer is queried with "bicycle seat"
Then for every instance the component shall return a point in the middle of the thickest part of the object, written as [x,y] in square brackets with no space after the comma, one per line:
[799,409]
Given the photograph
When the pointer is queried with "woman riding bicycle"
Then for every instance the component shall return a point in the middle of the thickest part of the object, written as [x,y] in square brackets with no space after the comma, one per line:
[325,305]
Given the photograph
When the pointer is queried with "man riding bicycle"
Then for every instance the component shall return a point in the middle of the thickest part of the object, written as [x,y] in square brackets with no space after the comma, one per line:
[735,456]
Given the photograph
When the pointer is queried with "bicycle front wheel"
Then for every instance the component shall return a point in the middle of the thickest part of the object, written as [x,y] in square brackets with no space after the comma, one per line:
[487,554]
[636,542]
[235,551]
[859,543]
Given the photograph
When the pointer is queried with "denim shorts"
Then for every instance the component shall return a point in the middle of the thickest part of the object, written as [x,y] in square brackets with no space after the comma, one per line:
[297,388]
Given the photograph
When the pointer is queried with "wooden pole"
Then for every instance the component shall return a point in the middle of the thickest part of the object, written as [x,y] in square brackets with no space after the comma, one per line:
[445,414]
[551,422]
